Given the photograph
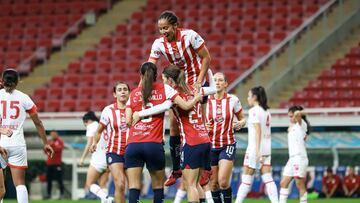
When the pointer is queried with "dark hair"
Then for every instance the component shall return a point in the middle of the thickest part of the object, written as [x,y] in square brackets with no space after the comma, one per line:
[300,108]
[170,17]
[329,169]
[149,73]
[90,115]
[260,94]
[118,83]
[175,73]
[10,78]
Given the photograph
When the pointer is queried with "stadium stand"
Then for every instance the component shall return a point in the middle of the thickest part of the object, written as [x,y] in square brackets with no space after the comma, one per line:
[30,30]
[338,86]
[237,33]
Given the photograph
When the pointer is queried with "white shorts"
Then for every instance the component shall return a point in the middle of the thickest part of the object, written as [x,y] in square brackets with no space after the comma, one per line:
[17,157]
[296,167]
[250,161]
[98,161]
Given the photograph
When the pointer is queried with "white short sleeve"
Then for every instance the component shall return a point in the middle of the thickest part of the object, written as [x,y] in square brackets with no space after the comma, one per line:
[28,103]
[104,118]
[91,129]
[155,51]
[237,105]
[196,40]
[254,116]
[170,92]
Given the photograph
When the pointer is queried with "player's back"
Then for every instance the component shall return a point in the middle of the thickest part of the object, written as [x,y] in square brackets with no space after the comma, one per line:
[14,107]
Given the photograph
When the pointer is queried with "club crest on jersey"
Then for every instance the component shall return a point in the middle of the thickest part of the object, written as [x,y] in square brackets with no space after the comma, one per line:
[219,119]
[109,159]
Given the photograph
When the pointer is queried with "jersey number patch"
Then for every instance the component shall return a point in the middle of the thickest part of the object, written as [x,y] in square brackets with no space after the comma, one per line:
[13,105]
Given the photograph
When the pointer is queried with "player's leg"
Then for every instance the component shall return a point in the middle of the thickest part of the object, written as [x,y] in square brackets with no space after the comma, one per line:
[104,179]
[300,184]
[157,183]
[285,181]
[117,169]
[59,179]
[49,179]
[181,192]
[214,185]
[175,144]
[247,179]
[226,164]
[134,177]
[2,185]
[300,175]
[18,163]
[92,176]
[190,176]
[268,180]
[208,193]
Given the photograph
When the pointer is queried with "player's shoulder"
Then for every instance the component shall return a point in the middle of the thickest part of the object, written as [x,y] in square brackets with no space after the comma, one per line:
[92,126]
[108,107]
[159,40]
[187,31]
[232,97]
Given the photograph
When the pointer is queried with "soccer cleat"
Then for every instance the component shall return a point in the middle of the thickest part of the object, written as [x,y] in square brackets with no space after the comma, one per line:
[205,178]
[108,200]
[173,177]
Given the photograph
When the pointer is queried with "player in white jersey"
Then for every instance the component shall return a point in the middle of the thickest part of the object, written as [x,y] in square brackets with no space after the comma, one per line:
[97,168]
[298,161]
[258,152]
[186,49]
[113,119]
[14,107]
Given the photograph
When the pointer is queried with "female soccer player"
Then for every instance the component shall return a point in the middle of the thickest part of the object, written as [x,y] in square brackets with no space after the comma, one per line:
[145,141]
[258,152]
[195,140]
[15,105]
[221,110]
[113,118]
[98,166]
[298,161]
[186,49]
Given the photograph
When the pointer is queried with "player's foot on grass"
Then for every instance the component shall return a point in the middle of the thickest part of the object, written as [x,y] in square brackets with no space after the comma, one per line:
[173,177]
[205,178]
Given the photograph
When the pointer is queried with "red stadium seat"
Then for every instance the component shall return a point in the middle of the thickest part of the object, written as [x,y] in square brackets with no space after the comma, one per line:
[83,105]
[70,93]
[104,67]
[54,93]
[57,81]
[68,105]
[99,104]
[40,94]
[71,80]
[52,105]
[101,80]
[88,67]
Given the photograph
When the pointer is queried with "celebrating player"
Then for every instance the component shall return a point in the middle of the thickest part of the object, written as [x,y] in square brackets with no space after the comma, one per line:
[298,161]
[15,105]
[113,118]
[98,166]
[145,141]
[195,140]
[258,152]
[186,49]
[221,110]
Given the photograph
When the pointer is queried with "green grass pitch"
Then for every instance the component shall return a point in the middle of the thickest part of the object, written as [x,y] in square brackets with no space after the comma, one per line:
[169,201]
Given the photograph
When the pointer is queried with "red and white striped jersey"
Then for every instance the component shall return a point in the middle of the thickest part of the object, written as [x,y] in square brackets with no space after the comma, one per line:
[191,125]
[13,110]
[113,119]
[220,113]
[149,129]
[182,53]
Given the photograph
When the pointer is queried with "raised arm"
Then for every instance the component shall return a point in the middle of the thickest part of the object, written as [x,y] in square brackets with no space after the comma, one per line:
[187,105]
[212,87]
[205,63]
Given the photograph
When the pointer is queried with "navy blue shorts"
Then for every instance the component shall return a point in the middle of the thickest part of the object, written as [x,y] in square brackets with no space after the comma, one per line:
[205,98]
[197,156]
[112,158]
[150,153]
[226,152]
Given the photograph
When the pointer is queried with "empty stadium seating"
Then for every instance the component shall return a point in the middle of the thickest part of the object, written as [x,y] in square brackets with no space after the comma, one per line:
[29,29]
[338,86]
[237,33]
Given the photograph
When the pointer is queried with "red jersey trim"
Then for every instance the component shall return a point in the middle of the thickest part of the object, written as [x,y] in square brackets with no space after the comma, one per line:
[173,97]
[32,110]
[238,113]
[13,166]
[103,125]
[200,47]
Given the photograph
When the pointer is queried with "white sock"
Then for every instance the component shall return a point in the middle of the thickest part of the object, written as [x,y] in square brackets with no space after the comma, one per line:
[208,197]
[284,193]
[180,194]
[1,201]
[270,187]
[303,199]
[245,187]
[94,188]
[21,194]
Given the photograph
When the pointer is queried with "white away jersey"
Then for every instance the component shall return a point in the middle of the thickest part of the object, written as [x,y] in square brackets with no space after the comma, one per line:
[182,53]
[14,107]
[91,131]
[258,115]
[296,139]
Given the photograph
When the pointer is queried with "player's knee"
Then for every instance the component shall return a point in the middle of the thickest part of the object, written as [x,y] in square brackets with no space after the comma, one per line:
[214,186]
[283,184]
[2,192]
[223,183]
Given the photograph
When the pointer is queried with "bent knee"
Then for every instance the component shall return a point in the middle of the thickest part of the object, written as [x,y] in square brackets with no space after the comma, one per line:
[223,183]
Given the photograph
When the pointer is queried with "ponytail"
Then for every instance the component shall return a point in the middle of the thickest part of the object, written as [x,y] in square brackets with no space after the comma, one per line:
[176,74]
[261,97]
[303,116]
[149,73]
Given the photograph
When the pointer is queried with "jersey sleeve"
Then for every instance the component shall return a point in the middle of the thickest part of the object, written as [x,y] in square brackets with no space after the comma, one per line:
[104,118]
[29,105]
[212,87]
[160,108]
[155,52]
[254,116]
[91,130]
[170,92]
[196,41]
[237,105]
